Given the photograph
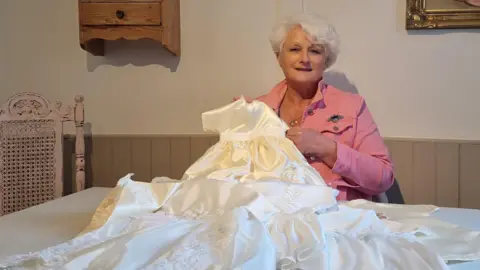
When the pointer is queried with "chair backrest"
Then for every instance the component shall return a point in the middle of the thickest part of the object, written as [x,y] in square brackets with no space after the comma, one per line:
[31,150]
[394,194]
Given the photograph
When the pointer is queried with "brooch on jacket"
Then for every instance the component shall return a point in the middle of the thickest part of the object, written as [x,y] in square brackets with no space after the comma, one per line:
[335,118]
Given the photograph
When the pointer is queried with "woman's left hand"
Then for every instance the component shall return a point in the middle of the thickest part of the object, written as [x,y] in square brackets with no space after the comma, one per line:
[312,142]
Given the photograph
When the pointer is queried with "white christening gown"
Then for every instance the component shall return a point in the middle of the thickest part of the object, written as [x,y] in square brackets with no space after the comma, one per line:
[251,202]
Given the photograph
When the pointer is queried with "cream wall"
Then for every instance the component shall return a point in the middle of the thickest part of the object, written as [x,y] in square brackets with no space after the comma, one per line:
[420,85]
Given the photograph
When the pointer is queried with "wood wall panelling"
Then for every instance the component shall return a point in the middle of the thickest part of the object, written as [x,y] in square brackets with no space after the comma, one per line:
[424,182]
[160,157]
[402,153]
[469,184]
[447,174]
[141,159]
[102,162]
[444,173]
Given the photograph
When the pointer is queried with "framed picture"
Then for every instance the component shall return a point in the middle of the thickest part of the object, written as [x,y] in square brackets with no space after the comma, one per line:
[442,14]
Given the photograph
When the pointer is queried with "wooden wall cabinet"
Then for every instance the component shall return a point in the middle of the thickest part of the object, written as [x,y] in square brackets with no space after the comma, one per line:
[102,20]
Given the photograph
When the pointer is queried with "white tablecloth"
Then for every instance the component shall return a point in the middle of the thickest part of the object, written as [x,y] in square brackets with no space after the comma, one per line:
[60,220]
[48,224]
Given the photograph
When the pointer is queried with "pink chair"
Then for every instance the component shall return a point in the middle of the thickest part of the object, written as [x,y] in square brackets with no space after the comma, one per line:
[31,150]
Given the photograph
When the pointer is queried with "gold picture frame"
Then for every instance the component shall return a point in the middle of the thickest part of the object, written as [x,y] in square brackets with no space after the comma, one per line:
[442,14]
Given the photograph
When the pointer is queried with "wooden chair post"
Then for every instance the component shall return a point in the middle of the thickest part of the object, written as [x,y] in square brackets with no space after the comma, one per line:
[79,144]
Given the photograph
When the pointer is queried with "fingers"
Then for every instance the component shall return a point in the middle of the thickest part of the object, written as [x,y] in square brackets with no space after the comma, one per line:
[294,135]
[294,132]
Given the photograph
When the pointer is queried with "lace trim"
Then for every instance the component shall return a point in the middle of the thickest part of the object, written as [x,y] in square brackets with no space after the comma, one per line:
[193,214]
[57,255]
[290,196]
[196,253]
[292,173]
[192,256]
[300,257]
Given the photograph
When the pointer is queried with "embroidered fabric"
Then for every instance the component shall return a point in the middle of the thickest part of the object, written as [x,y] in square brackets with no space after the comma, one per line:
[251,202]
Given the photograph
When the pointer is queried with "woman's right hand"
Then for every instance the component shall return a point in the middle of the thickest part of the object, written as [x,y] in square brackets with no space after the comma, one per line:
[247,99]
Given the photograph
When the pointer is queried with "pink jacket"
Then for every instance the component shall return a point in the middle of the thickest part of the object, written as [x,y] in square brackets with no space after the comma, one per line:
[363,167]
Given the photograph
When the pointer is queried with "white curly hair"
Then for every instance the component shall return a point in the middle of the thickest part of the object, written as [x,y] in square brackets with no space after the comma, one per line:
[322,32]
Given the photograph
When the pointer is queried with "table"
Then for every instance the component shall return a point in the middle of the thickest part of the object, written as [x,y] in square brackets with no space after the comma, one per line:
[50,223]
[468,218]
[60,220]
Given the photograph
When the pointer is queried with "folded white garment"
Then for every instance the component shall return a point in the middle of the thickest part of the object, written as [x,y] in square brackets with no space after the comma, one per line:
[252,202]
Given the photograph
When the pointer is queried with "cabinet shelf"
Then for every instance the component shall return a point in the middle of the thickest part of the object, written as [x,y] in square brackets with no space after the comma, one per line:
[101,20]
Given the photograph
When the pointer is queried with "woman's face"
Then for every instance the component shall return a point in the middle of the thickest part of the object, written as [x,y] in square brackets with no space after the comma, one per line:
[302,61]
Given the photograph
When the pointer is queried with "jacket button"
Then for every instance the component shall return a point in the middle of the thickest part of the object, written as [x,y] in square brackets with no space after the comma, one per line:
[310,112]
[335,128]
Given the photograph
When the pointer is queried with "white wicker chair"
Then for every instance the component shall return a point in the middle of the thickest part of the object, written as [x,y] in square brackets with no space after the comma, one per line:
[31,150]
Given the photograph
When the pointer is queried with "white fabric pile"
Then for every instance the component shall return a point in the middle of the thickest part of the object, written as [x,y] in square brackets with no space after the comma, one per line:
[252,202]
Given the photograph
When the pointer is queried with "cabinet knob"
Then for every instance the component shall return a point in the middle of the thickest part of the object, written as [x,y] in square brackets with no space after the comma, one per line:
[120,14]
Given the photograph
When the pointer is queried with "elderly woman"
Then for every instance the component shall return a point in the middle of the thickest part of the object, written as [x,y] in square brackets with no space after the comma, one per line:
[332,128]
